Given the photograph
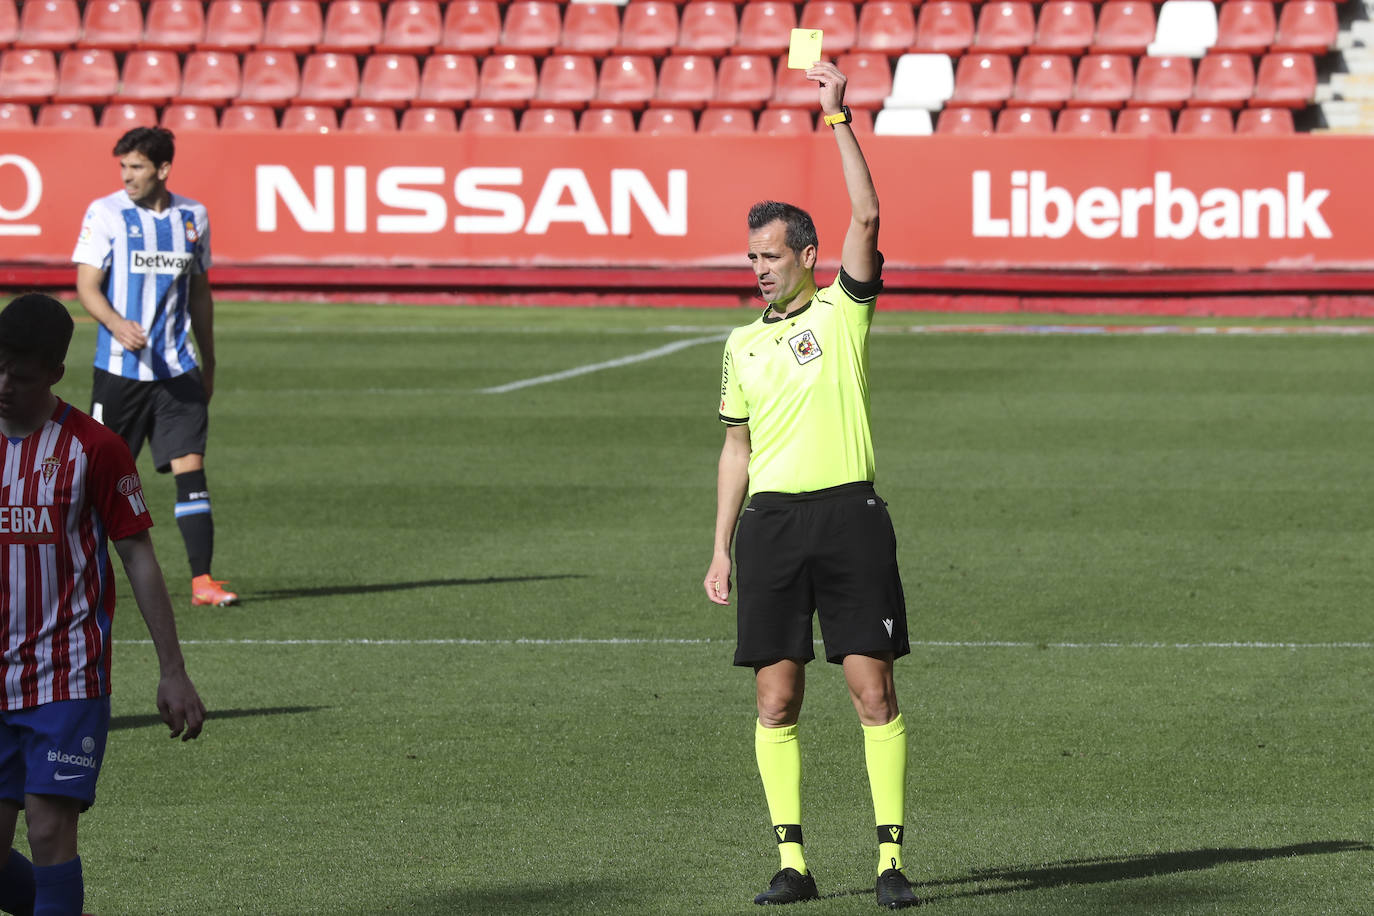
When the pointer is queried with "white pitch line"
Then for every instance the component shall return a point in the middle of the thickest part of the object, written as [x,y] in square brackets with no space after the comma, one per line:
[622,641]
[609,364]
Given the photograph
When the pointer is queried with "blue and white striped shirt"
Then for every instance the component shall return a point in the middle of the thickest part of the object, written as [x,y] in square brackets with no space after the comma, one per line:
[148,259]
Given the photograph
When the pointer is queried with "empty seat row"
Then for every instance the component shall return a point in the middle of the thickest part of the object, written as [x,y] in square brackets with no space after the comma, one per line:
[1183,27]
[516,80]
[1104,80]
[1103,121]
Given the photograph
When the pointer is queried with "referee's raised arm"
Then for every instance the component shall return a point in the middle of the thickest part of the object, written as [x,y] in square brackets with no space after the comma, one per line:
[859,257]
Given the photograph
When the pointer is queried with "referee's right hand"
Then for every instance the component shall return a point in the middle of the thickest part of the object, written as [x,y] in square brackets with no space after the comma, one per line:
[717,581]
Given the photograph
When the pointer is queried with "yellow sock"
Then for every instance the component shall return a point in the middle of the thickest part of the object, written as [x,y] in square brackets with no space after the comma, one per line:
[885,754]
[779,758]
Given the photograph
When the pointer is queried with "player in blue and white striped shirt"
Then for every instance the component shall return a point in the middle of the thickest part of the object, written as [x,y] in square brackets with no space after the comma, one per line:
[142,262]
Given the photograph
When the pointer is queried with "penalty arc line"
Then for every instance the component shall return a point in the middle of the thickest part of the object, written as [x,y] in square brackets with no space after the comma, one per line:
[609,364]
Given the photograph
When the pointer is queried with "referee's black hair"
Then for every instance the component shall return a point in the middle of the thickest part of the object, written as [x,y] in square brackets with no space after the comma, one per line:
[157,143]
[801,231]
[36,325]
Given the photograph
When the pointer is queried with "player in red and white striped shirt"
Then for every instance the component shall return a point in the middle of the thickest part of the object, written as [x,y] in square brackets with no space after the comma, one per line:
[67,489]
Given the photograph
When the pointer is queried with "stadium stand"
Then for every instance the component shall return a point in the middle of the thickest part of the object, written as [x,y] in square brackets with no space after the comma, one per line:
[964,122]
[944,27]
[886,27]
[743,81]
[128,115]
[548,121]
[470,27]
[626,81]
[1124,27]
[368,119]
[791,88]
[921,81]
[684,81]
[1223,80]
[389,80]
[1064,27]
[1185,28]
[329,79]
[14,116]
[982,79]
[1165,82]
[1265,121]
[723,122]
[1084,122]
[351,27]
[506,80]
[9,24]
[667,122]
[590,28]
[566,81]
[65,114]
[49,24]
[836,19]
[425,120]
[1202,121]
[481,120]
[1285,80]
[310,119]
[189,116]
[210,77]
[411,27]
[1145,121]
[784,122]
[902,122]
[292,25]
[248,117]
[1004,27]
[606,121]
[174,25]
[706,27]
[448,81]
[869,78]
[88,76]
[1043,80]
[270,77]
[765,27]
[232,25]
[1306,26]
[1245,26]
[113,24]
[530,27]
[648,27]
[1103,80]
[153,77]
[1024,121]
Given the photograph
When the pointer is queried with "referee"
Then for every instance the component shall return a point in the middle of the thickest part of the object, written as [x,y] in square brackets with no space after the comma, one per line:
[814,537]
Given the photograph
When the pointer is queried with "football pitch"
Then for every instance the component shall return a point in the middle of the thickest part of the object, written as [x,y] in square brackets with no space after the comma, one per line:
[474,672]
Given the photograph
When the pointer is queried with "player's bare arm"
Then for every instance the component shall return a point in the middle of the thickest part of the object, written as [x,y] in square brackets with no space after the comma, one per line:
[177,701]
[202,309]
[732,483]
[859,256]
[90,281]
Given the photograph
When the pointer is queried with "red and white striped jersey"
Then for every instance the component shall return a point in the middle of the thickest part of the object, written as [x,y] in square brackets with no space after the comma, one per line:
[66,490]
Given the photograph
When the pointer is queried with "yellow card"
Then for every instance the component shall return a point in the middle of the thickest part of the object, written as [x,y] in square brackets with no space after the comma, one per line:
[805,49]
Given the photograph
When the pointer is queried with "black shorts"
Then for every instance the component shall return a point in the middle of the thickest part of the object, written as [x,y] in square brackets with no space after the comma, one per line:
[171,414]
[831,551]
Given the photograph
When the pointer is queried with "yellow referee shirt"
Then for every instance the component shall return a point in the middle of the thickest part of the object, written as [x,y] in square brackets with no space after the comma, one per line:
[800,384]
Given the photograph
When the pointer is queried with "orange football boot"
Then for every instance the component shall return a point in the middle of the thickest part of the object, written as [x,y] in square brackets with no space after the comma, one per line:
[205,590]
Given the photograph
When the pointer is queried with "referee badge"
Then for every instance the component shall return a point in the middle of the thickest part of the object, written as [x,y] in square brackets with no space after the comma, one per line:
[804,347]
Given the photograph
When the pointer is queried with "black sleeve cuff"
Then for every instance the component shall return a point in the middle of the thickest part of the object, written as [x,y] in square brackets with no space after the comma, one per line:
[862,292]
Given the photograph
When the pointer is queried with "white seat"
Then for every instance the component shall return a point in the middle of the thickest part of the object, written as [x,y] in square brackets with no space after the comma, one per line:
[922,81]
[1185,28]
[903,122]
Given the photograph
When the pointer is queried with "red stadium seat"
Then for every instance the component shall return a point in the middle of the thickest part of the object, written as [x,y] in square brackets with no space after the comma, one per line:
[723,122]
[626,81]
[113,24]
[784,122]
[411,27]
[1244,26]
[743,81]
[351,27]
[1103,80]
[964,122]
[1265,121]
[648,27]
[548,121]
[232,25]
[368,119]
[328,79]
[684,81]
[667,122]
[566,81]
[487,121]
[248,117]
[211,77]
[1211,122]
[1223,80]
[1285,80]
[174,25]
[1081,121]
[128,115]
[178,117]
[1016,120]
[65,114]
[1004,27]
[838,21]
[9,26]
[1165,82]
[791,88]
[1306,26]
[707,27]
[590,28]
[14,116]
[506,80]
[1124,27]
[292,25]
[606,121]
[765,27]
[944,27]
[316,119]
[88,76]
[470,27]
[389,80]
[447,81]
[530,27]
[1145,121]
[429,120]
[49,24]
[28,75]
[149,76]
[886,27]
[270,77]
[1064,27]
[1044,80]
[982,80]
[869,79]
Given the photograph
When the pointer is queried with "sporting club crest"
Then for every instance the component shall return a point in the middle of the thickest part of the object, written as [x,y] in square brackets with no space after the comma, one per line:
[50,466]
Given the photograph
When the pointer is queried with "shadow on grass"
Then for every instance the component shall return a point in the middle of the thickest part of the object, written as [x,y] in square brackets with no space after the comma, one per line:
[1016,878]
[118,723]
[332,590]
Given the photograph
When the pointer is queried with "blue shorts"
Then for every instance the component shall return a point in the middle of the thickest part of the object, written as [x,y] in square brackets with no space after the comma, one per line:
[53,749]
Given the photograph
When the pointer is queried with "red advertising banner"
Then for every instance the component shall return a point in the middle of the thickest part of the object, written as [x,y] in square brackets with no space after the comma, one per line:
[948,203]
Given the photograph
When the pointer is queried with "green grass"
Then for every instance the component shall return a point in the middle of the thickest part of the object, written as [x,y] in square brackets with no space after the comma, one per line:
[1047,491]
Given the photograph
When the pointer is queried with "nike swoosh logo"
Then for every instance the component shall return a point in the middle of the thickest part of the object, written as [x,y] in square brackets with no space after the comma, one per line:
[63,777]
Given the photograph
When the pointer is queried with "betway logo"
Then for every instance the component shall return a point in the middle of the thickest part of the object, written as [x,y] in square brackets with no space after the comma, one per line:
[1033,208]
[489,200]
[159,262]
